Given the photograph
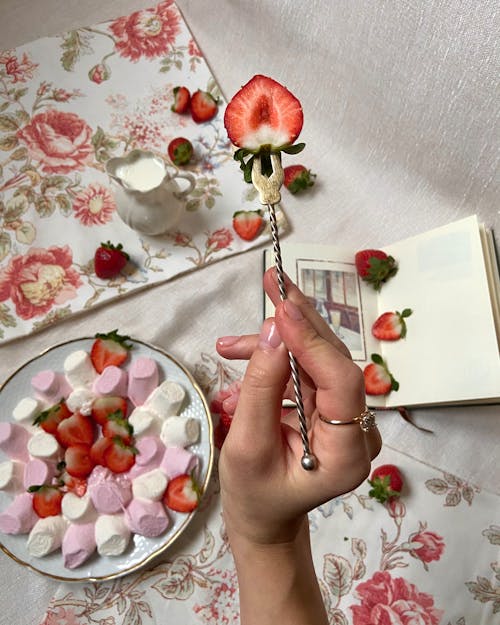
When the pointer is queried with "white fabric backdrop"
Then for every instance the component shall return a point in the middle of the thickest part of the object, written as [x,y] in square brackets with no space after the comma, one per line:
[401,126]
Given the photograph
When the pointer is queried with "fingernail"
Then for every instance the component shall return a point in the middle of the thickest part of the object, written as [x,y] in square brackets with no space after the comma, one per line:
[292,310]
[227,341]
[269,335]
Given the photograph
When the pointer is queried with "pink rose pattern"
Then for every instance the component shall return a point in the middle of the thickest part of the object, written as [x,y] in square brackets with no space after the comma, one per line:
[94,205]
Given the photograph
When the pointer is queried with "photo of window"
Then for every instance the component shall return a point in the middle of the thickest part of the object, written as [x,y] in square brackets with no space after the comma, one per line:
[333,289]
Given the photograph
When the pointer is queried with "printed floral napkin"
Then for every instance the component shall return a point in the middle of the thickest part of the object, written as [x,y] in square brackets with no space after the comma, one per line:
[69,103]
[430,558]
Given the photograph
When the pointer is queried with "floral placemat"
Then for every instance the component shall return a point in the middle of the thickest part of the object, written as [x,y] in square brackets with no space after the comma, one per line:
[69,103]
[430,558]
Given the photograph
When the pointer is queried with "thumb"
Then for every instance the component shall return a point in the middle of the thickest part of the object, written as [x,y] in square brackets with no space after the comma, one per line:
[257,415]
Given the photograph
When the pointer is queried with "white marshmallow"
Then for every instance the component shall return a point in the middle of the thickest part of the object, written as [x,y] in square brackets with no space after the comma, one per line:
[180,431]
[43,445]
[46,536]
[144,422]
[112,535]
[26,411]
[11,473]
[166,399]
[78,509]
[150,485]
[81,400]
[79,369]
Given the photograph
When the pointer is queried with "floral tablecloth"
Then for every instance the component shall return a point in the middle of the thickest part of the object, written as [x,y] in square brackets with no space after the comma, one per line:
[69,103]
[430,558]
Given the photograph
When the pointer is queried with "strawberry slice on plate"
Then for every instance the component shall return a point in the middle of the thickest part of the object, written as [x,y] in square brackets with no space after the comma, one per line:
[77,460]
[117,425]
[46,500]
[119,457]
[109,349]
[248,224]
[75,430]
[103,407]
[378,379]
[182,494]
[50,419]
[391,326]
[263,113]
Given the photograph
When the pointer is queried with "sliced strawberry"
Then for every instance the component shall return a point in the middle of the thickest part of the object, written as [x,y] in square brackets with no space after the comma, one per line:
[102,407]
[180,151]
[203,106]
[98,448]
[182,97]
[386,482]
[49,419]
[117,425]
[391,326]
[182,494]
[75,430]
[378,378]
[375,267]
[298,178]
[248,224]
[46,500]
[76,485]
[109,260]
[78,461]
[119,457]
[109,349]
[263,113]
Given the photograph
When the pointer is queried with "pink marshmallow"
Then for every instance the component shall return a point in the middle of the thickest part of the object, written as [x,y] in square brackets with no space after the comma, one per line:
[142,380]
[112,381]
[150,451]
[147,518]
[51,386]
[19,516]
[14,440]
[78,544]
[178,461]
[38,471]
[110,492]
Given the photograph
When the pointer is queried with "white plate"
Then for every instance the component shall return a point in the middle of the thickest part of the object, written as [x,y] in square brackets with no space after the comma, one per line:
[141,550]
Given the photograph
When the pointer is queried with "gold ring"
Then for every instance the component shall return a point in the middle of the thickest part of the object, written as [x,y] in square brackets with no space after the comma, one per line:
[366,420]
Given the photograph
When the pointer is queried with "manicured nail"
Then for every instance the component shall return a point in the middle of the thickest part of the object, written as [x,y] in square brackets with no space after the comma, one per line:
[227,341]
[292,310]
[269,335]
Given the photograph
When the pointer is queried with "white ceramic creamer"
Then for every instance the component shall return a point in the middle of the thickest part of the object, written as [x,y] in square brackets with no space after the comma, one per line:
[147,194]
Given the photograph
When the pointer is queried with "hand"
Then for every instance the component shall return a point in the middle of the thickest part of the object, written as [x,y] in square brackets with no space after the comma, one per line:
[265,491]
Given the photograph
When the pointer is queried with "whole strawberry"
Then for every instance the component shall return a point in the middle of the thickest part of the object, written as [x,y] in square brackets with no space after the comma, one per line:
[109,260]
[386,483]
[378,379]
[180,151]
[298,178]
[182,98]
[391,326]
[248,224]
[375,267]
[203,106]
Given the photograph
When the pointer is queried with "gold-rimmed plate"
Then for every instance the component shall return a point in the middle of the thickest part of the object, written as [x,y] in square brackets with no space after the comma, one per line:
[141,550]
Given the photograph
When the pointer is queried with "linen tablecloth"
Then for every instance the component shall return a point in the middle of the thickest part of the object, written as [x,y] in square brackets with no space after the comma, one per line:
[400,126]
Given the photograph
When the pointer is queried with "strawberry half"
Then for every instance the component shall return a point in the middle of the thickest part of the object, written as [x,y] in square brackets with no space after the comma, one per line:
[109,349]
[263,113]
[391,326]
[117,425]
[109,260]
[182,494]
[50,419]
[103,407]
[203,106]
[46,500]
[75,430]
[375,267]
[182,97]
[298,178]
[98,449]
[248,224]
[386,482]
[378,378]
[180,151]
[119,457]
[76,485]
[78,461]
